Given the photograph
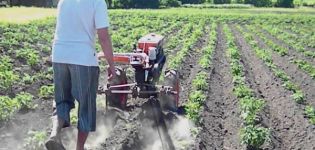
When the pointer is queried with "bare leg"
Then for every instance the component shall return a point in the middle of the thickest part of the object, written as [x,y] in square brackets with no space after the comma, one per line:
[82,136]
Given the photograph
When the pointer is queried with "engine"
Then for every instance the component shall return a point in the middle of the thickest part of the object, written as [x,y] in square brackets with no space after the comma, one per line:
[151,45]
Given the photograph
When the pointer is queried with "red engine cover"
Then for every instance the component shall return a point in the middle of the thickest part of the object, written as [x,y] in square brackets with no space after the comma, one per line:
[150,40]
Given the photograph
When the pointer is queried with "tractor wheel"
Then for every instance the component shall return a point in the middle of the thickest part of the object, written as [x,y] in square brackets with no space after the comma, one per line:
[117,100]
[170,101]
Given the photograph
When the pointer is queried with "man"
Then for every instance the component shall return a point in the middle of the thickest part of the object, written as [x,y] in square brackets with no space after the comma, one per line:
[75,65]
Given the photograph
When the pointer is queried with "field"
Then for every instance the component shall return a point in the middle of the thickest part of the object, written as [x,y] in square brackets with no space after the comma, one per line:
[247,80]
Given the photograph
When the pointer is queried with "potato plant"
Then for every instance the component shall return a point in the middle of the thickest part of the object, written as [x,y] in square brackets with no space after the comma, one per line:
[7,107]
[187,45]
[46,91]
[193,106]
[31,56]
[265,55]
[35,140]
[252,135]
[200,83]
[26,75]
[297,43]
[298,94]
[205,60]
[310,113]
[10,105]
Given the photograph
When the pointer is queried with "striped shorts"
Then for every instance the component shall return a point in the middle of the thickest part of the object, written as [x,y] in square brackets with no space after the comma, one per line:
[76,82]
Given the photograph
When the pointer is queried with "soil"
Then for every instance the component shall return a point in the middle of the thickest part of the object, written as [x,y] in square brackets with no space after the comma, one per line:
[190,68]
[139,129]
[303,36]
[289,128]
[139,133]
[220,117]
[16,130]
[298,76]
[292,53]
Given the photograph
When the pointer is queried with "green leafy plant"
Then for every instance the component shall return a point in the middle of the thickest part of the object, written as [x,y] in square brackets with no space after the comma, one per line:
[27,79]
[250,107]
[5,63]
[304,65]
[74,116]
[282,75]
[242,91]
[237,69]
[290,86]
[25,100]
[310,113]
[251,135]
[7,79]
[197,96]
[193,106]
[46,91]
[254,136]
[7,107]
[205,61]
[35,140]
[192,111]
[31,56]
[200,81]
[298,96]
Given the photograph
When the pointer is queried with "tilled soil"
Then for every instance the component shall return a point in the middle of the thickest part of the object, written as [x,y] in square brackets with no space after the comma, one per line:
[297,34]
[14,132]
[190,68]
[139,133]
[289,128]
[298,76]
[220,117]
[136,129]
[292,53]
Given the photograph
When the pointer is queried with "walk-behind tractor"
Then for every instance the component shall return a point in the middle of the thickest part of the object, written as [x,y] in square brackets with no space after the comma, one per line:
[148,60]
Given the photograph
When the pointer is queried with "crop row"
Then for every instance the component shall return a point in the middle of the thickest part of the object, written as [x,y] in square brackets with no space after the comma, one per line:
[252,134]
[265,55]
[206,58]
[200,82]
[176,40]
[304,32]
[302,64]
[25,43]
[188,44]
[7,76]
[294,41]
[8,105]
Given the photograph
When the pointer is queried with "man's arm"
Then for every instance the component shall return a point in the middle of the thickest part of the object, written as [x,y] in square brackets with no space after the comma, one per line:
[106,44]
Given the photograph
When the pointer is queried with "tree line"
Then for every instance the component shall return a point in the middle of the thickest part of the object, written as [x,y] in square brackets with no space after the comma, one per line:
[126,4]
[176,3]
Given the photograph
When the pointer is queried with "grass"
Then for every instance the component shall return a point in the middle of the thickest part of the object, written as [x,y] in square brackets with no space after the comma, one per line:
[24,14]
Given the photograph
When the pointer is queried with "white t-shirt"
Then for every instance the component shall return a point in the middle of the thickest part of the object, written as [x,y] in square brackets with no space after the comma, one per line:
[77,22]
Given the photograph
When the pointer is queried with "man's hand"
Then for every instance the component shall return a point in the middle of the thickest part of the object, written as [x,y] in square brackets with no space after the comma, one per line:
[107,48]
[111,74]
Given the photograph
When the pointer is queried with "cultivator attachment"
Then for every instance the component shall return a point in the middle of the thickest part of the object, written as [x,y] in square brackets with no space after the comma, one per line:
[117,91]
[147,60]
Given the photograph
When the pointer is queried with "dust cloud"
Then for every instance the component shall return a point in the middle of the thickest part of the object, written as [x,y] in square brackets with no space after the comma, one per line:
[180,132]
